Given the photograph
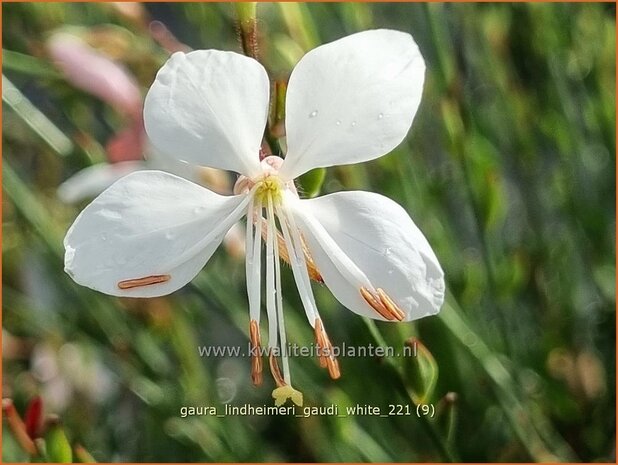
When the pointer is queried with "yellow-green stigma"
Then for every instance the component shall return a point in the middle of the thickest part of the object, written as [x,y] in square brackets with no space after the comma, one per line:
[269,187]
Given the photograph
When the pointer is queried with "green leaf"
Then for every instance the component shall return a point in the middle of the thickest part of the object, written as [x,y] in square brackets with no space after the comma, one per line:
[27,64]
[311,182]
[34,118]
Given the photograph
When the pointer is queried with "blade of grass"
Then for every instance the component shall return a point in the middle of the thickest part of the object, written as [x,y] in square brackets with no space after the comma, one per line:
[34,118]
[534,431]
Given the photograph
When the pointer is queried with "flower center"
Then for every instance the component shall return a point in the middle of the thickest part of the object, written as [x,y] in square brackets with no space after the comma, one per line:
[270,186]
[268,182]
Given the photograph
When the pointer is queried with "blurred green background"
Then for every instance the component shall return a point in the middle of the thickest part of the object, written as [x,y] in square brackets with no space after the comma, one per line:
[509,170]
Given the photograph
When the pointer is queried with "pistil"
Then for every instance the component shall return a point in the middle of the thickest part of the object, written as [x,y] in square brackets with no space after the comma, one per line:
[279,297]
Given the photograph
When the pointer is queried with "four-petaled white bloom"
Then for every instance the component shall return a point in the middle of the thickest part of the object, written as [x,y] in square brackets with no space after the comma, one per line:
[349,101]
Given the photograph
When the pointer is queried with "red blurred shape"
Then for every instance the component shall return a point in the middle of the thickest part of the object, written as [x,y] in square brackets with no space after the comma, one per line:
[34,417]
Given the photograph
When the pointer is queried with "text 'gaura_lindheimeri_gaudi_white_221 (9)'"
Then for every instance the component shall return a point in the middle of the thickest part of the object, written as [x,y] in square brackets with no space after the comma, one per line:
[348,101]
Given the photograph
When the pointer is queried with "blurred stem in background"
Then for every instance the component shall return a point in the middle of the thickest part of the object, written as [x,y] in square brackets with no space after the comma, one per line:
[247,24]
[456,132]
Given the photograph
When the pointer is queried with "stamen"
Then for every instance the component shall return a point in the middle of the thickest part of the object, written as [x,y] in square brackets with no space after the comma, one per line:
[145,281]
[390,305]
[256,358]
[252,261]
[319,338]
[312,268]
[325,348]
[383,304]
[299,267]
[274,369]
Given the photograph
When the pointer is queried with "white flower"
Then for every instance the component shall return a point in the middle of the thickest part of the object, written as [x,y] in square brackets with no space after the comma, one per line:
[91,181]
[348,101]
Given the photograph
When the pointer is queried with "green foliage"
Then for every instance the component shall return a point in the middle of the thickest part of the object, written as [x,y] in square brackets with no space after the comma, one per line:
[57,447]
[310,183]
[509,171]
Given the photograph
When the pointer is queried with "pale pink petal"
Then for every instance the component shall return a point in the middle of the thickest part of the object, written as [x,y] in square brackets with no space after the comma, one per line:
[94,73]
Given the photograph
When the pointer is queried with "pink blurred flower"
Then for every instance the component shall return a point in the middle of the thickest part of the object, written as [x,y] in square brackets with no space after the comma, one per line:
[128,144]
[93,72]
[127,150]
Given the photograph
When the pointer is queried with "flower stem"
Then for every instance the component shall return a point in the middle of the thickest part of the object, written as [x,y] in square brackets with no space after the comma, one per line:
[247,22]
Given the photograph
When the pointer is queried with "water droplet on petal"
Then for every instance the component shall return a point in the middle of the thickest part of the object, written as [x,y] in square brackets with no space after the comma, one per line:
[390,271]
[338,123]
[380,116]
[169,235]
[387,251]
[103,237]
[353,123]
[313,114]
[197,210]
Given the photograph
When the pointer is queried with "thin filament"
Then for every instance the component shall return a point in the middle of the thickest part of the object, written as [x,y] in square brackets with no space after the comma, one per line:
[270,279]
[327,359]
[299,265]
[253,266]
[348,269]
[279,297]
[256,250]
[299,268]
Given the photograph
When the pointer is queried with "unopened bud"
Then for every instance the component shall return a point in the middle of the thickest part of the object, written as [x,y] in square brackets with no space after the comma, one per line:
[421,372]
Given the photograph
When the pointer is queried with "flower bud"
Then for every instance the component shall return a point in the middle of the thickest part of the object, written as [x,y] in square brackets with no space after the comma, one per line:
[420,371]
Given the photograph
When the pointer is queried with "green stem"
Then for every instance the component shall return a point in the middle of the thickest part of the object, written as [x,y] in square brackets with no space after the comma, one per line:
[247,23]
[439,442]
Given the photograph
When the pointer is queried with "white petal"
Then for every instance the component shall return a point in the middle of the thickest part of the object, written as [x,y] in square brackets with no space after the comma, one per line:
[352,100]
[209,108]
[149,223]
[360,239]
[93,180]
[158,160]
